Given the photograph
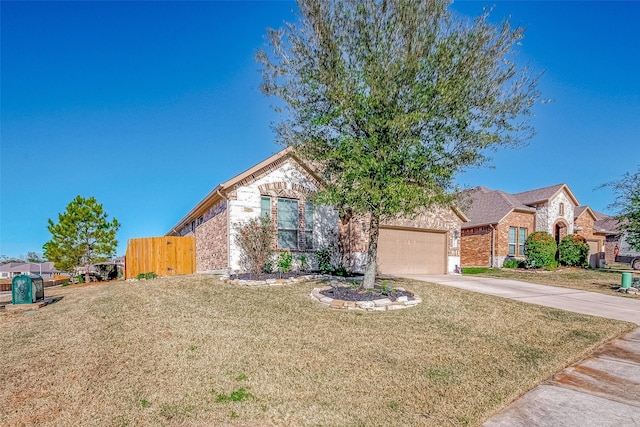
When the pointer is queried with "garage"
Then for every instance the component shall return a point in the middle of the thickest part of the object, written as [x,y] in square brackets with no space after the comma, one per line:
[411,251]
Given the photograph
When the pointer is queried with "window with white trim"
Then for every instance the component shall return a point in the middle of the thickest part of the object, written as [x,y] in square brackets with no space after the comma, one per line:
[513,235]
[288,224]
[308,224]
[265,206]
[521,240]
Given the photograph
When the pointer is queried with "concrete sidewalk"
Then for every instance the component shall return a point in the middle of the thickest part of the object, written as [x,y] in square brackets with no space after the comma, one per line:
[601,390]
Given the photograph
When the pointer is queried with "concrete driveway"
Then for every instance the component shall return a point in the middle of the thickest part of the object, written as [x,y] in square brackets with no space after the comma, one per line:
[600,390]
[595,304]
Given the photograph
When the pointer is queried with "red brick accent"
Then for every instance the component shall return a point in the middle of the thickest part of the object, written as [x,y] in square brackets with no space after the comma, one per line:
[513,219]
[610,249]
[476,247]
[212,243]
[585,223]
[476,241]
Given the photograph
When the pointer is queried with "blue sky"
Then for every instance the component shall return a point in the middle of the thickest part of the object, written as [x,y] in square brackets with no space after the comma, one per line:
[149,105]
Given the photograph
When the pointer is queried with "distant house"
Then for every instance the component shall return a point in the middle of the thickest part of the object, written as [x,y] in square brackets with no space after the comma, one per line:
[500,222]
[616,247]
[12,269]
[281,187]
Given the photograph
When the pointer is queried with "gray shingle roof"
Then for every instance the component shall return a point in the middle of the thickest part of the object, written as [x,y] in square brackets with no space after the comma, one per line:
[486,206]
[578,211]
[539,194]
[606,224]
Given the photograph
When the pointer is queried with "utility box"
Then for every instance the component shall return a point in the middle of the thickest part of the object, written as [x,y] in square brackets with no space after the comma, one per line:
[27,289]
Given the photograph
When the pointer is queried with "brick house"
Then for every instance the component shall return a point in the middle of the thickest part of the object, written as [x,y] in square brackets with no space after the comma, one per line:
[499,223]
[608,226]
[281,186]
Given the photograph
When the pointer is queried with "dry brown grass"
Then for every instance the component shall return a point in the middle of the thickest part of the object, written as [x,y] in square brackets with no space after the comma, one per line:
[601,281]
[160,352]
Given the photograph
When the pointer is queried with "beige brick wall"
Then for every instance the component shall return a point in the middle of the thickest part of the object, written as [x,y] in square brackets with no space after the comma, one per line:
[212,244]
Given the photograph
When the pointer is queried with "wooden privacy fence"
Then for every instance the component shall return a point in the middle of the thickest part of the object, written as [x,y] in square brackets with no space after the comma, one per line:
[164,256]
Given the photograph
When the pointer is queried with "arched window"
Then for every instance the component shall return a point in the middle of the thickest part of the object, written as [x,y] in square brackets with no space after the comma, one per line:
[561,209]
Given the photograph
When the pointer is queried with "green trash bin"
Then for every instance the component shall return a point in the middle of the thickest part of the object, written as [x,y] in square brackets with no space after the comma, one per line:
[27,289]
[626,280]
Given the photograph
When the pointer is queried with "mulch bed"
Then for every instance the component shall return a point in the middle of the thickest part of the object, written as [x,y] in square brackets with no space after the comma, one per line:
[350,293]
[266,276]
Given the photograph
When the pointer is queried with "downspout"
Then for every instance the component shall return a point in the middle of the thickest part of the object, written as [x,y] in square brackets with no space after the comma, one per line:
[493,245]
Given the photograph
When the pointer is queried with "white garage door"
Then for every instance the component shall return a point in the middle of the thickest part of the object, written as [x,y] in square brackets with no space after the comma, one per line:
[411,251]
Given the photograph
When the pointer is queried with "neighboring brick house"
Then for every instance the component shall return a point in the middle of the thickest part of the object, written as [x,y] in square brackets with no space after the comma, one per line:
[586,225]
[281,186]
[499,223]
[608,226]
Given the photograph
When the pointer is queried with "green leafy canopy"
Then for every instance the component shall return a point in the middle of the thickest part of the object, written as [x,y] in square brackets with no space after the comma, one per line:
[391,99]
[83,235]
[627,206]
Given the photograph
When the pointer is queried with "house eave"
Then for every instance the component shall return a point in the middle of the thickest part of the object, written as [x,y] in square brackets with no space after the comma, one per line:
[219,193]
[209,200]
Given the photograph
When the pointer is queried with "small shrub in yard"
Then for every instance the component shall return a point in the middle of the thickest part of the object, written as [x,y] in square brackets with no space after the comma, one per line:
[512,263]
[323,258]
[475,270]
[256,240]
[386,288]
[540,249]
[552,265]
[285,259]
[302,262]
[573,251]
[341,271]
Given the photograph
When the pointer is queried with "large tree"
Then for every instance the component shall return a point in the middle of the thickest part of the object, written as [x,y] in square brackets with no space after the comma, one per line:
[391,99]
[82,236]
[627,206]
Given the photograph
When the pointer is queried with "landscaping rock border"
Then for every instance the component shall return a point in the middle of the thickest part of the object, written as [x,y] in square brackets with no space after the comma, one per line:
[280,282]
[382,304]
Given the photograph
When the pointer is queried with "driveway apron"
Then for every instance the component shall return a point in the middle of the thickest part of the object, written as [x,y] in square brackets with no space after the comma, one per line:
[600,390]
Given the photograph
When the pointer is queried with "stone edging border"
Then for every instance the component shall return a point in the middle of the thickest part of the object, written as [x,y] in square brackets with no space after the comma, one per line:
[382,304]
[279,282]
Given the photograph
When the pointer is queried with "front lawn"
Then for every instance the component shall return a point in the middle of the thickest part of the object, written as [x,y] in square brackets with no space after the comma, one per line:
[602,281]
[190,350]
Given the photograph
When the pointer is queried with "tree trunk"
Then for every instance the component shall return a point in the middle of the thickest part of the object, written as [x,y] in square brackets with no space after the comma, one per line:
[87,277]
[372,253]
[87,265]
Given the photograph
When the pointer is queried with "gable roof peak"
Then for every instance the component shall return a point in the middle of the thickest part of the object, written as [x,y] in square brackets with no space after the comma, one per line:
[543,194]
